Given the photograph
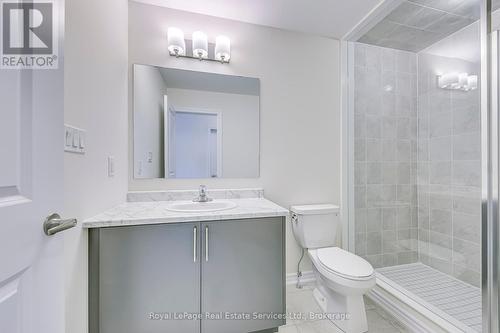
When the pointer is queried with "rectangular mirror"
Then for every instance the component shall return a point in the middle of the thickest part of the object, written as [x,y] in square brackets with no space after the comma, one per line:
[191,124]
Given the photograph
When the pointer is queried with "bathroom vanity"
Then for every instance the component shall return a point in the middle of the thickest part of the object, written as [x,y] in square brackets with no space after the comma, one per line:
[152,269]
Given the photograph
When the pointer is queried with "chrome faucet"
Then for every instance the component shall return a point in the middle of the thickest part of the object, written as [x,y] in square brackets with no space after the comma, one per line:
[202,196]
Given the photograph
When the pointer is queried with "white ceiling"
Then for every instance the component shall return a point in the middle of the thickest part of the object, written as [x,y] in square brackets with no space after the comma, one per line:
[329,18]
[464,44]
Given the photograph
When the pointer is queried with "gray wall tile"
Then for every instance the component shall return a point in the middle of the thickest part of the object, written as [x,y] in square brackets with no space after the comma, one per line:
[467,173]
[467,227]
[359,173]
[440,221]
[373,173]
[389,218]
[440,148]
[466,254]
[467,146]
[373,219]
[440,123]
[466,119]
[374,243]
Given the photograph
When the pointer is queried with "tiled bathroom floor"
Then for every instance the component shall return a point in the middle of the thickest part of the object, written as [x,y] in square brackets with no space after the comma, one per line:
[301,300]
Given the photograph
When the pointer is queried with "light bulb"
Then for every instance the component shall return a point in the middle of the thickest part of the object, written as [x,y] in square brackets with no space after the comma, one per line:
[176,43]
[200,45]
[472,82]
[462,80]
[222,49]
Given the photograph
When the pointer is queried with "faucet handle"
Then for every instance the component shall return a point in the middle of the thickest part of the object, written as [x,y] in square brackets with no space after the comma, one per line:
[202,195]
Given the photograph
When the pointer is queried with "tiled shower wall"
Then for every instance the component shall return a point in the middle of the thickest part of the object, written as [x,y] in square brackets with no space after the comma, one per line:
[385,144]
[449,171]
[417,170]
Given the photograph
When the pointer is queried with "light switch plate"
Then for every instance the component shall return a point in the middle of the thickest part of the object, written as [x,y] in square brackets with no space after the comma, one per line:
[74,139]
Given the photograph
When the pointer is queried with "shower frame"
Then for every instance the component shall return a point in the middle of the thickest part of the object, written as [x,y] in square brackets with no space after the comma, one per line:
[386,294]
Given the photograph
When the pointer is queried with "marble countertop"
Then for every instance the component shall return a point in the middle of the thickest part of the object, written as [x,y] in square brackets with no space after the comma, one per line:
[156,212]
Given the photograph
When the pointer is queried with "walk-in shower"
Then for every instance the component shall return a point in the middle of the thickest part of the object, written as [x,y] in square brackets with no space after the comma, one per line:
[416,157]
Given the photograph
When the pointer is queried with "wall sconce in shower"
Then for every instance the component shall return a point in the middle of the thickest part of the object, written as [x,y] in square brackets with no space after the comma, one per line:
[457,81]
[199,47]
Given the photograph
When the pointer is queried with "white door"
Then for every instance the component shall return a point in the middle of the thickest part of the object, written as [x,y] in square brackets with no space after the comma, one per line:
[31,174]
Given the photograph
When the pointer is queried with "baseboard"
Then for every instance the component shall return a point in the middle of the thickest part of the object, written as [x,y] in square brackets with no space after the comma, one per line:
[307,277]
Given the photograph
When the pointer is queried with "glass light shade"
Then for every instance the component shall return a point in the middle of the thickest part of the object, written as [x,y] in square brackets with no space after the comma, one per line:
[200,45]
[448,81]
[176,43]
[222,49]
[462,80]
[472,82]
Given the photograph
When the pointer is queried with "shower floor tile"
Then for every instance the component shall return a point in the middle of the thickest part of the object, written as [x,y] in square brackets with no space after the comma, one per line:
[452,296]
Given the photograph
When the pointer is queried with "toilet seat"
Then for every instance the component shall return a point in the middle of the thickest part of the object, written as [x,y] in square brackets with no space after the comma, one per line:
[343,263]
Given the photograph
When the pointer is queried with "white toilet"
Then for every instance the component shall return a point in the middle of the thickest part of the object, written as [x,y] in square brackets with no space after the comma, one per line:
[342,278]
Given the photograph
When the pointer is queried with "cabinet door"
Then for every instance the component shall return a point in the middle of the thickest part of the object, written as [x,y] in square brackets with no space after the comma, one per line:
[146,270]
[242,272]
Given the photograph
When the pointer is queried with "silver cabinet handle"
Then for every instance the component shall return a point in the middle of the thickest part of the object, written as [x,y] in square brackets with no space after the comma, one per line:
[195,241]
[54,224]
[206,243]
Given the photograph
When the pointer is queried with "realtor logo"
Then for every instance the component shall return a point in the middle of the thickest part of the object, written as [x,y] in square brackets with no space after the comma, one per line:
[28,35]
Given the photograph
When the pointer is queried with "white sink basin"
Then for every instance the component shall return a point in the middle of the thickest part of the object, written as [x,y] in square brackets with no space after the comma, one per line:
[196,207]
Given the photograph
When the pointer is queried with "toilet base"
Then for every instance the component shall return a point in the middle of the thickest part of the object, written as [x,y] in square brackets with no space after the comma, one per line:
[346,312]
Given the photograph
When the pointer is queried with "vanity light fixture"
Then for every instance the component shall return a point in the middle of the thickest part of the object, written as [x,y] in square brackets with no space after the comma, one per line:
[457,81]
[199,47]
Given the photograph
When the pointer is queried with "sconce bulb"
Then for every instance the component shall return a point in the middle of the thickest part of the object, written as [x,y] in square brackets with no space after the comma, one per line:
[200,45]
[176,43]
[222,49]
[472,82]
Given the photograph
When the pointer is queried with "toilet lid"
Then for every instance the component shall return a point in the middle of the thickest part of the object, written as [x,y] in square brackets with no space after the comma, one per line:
[343,262]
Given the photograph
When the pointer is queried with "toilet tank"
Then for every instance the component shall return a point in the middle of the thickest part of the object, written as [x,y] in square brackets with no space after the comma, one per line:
[315,226]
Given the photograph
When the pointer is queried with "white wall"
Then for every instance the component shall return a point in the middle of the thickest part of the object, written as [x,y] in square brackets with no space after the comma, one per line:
[300,102]
[149,89]
[96,100]
[240,127]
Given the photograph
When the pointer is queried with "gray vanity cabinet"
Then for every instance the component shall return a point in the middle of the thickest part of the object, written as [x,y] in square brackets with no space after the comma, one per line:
[242,273]
[140,270]
[139,273]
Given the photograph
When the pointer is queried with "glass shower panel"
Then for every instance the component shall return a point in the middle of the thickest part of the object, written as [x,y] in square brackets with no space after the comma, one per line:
[449,165]
[385,148]
[417,159]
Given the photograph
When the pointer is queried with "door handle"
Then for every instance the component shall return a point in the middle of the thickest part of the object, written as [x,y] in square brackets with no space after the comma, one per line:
[195,240]
[206,243]
[54,224]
